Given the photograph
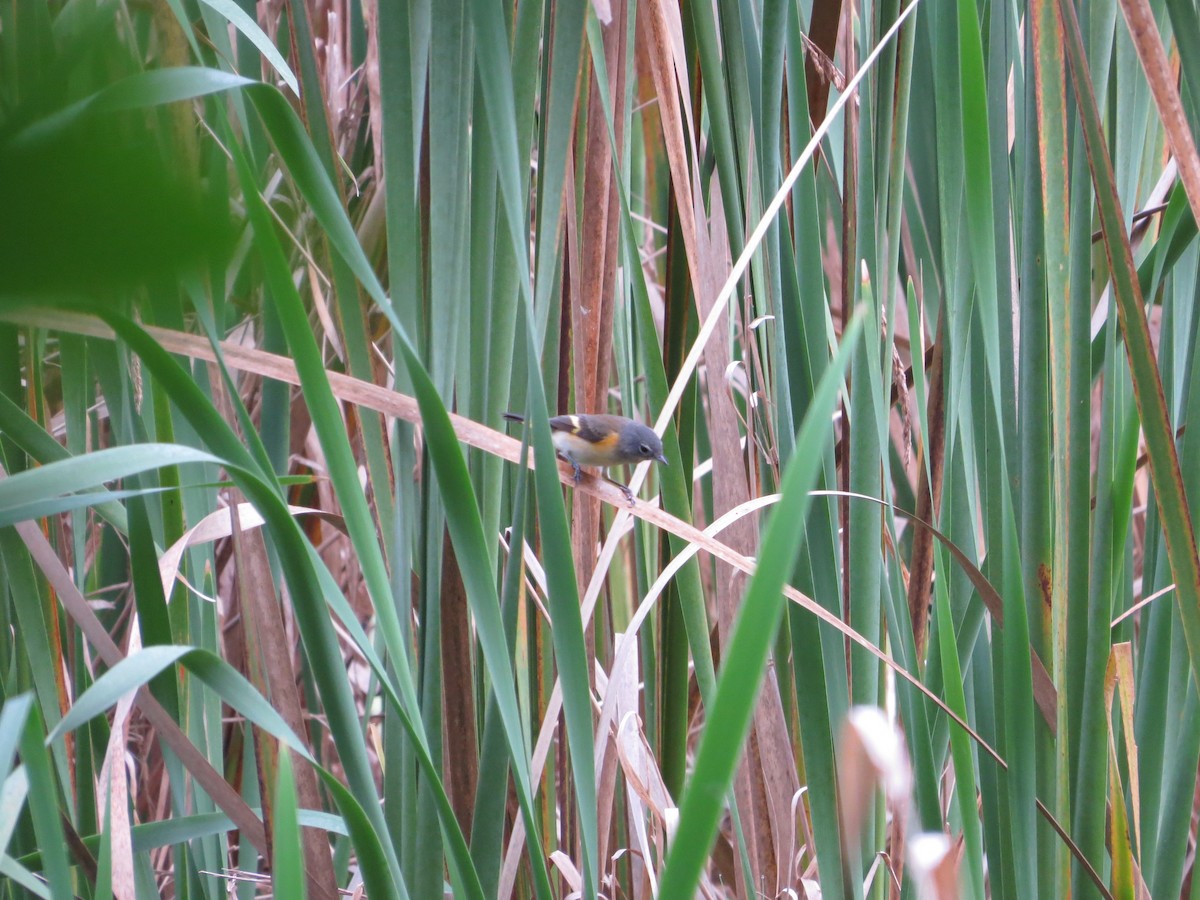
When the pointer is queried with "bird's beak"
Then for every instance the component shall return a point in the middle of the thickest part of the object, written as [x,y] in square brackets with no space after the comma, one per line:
[662,459]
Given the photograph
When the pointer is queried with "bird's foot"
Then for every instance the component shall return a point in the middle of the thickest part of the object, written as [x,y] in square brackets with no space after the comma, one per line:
[624,490]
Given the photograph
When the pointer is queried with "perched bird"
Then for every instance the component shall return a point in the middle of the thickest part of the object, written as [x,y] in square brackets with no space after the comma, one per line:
[602,441]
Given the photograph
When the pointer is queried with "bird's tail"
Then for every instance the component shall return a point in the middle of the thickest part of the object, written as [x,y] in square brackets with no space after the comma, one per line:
[514,417]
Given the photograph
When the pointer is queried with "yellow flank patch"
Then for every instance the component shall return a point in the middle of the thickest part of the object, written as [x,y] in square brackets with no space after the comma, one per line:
[607,442]
[576,449]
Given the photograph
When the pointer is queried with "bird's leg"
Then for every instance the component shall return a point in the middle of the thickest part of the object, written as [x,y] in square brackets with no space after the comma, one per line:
[578,472]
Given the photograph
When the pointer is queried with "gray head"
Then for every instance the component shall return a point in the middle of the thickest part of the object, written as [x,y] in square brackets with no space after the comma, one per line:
[639,442]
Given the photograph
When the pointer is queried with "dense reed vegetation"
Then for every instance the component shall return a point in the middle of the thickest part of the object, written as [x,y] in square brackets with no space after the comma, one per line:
[909,289]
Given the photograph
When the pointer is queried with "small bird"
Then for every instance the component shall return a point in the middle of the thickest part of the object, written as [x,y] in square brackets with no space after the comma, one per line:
[602,441]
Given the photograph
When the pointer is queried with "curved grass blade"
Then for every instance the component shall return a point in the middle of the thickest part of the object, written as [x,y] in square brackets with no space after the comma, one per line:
[153,88]
[234,689]
[255,35]
[17,426]
[141,667]
[54,505]
[82,473]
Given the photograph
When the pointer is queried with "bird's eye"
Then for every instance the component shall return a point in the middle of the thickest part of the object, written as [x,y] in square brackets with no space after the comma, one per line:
[645,448]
